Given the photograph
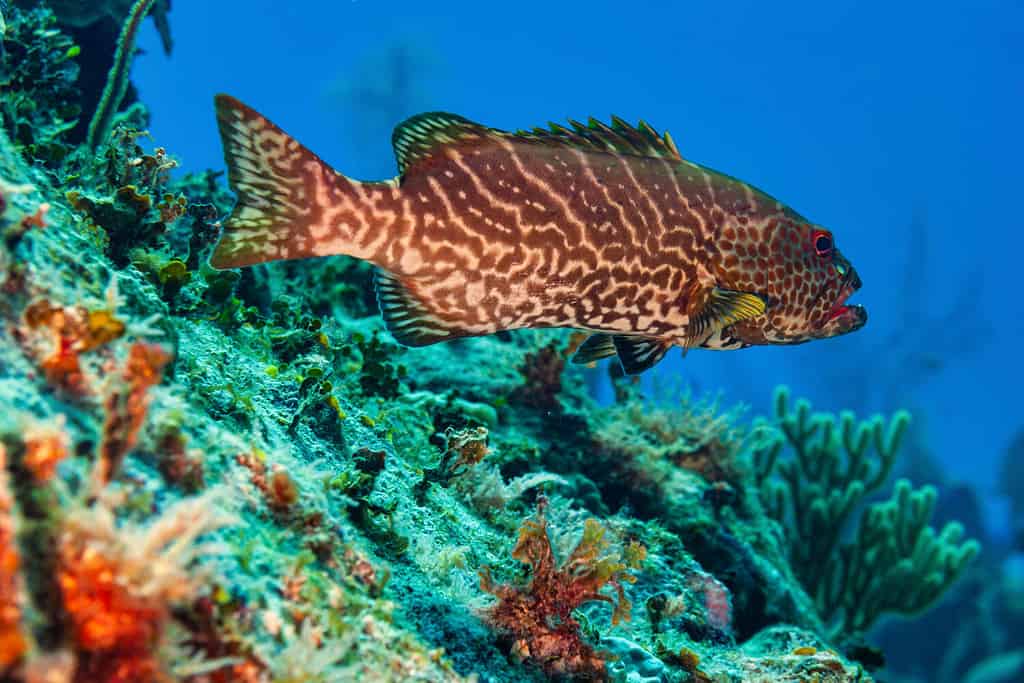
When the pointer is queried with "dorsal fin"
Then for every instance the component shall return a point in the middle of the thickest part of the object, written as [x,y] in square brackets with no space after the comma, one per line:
[619,138]
[419,136]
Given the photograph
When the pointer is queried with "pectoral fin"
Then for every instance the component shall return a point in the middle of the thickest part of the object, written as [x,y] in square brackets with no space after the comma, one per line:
[721,308]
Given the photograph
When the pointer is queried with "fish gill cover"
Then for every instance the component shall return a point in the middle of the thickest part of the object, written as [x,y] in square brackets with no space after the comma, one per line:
[238,475]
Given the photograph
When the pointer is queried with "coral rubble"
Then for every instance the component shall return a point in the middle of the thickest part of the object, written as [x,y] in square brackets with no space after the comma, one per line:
[236,476]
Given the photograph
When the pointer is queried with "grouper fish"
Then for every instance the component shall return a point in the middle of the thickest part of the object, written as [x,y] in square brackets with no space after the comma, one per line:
[601,227]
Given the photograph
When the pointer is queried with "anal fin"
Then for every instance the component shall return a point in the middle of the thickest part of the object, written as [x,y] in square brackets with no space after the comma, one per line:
[639,353]
[594,348]
[408,320]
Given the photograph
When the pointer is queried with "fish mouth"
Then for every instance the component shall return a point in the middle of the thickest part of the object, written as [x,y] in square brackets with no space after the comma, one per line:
[847,317]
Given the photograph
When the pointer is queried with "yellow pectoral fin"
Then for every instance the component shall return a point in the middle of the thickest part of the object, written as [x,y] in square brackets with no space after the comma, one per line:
[723,307]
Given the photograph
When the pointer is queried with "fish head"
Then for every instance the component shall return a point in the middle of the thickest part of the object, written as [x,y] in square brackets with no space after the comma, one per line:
[803,278]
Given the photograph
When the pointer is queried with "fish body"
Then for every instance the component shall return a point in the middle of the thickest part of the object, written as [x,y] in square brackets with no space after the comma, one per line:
[589,226]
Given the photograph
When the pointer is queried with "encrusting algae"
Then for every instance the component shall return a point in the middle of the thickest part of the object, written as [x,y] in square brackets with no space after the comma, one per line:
[220,475]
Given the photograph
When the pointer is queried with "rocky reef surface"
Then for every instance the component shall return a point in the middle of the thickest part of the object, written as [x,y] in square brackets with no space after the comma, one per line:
[239,476]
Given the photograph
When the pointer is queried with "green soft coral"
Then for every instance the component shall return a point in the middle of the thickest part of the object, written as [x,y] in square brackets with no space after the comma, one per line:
[117,79]
[895,562]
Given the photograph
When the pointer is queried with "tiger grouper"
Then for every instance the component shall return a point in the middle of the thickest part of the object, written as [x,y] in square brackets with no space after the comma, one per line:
[602,228]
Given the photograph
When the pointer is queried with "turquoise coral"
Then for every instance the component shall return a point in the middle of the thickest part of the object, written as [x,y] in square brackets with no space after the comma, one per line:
[895,562]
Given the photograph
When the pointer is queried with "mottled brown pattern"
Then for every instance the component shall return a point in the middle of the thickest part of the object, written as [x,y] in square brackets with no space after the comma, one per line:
[598,228]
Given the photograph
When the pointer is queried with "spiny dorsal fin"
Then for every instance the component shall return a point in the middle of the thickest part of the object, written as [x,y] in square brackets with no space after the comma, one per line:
[724,307]
[618,138]
[418,137]
[639,353]
[594,348]
[407,319]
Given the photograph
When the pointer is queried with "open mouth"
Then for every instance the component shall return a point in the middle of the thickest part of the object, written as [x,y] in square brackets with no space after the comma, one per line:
[853,314]
[839,307]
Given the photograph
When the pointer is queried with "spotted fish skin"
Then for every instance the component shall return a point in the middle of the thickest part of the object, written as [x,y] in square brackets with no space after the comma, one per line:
[595,227]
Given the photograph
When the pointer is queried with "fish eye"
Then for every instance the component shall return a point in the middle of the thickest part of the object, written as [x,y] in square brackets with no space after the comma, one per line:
[822,242]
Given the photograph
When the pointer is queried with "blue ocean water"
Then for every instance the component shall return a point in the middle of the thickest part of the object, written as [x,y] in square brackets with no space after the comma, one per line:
[897,125]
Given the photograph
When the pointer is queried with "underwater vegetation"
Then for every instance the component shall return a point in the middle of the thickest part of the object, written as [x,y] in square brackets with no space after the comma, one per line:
[239,475]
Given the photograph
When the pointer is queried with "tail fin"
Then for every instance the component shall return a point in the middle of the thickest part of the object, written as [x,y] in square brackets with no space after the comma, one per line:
[288,198]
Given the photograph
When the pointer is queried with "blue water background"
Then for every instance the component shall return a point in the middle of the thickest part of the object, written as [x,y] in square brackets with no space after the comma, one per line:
[896,124]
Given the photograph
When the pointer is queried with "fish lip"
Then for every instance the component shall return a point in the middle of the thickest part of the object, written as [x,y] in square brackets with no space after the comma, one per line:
[840,307]
[852,316]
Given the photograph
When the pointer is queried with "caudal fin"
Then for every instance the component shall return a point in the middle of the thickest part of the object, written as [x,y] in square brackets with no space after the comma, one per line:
[288,198]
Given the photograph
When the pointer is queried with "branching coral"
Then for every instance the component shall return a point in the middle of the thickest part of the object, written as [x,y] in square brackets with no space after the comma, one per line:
[539,617]
[895,562]
[82,14]
[301,593]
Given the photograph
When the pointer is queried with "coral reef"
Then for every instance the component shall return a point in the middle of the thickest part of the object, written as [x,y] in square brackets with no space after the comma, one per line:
[213,476]
[92,33]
